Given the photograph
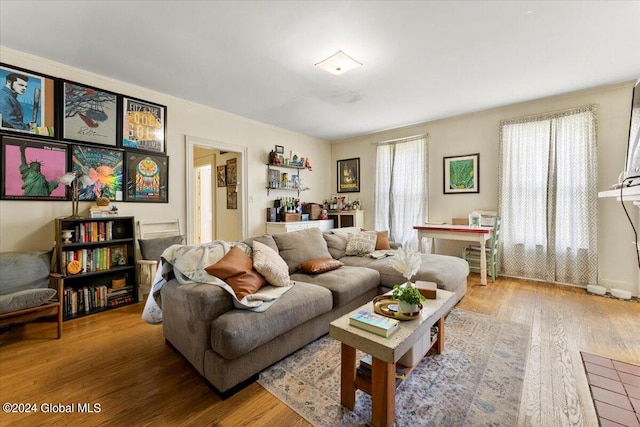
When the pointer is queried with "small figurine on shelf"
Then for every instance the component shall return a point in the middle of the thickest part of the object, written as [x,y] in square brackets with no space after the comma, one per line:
[273,158]
[307,163]
[324,214]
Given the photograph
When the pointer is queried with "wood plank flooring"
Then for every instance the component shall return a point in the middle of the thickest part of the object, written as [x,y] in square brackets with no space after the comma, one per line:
[116,360]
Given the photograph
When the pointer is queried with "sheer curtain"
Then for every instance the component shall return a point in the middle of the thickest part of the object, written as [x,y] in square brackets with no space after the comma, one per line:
[400,199]
[548,197]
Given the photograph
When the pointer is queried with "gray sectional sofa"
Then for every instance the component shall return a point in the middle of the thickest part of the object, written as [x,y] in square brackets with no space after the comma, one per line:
[229,346]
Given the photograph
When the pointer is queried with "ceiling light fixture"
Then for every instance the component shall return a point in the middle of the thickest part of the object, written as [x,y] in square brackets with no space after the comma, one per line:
[338,63]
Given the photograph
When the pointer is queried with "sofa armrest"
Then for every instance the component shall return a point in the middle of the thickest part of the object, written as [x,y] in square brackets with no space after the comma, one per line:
[187,313]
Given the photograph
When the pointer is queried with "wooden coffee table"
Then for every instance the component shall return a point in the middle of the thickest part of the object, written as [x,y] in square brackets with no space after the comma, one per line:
[386,352]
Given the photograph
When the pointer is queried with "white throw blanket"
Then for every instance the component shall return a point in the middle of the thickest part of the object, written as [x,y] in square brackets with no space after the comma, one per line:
[188,264]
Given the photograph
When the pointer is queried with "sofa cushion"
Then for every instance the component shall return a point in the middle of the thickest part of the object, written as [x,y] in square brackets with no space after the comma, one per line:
[361,243]
[441,269]
[345,283]
[25,299]
[265,239]
[320,265]
[336,243]
[24,270]
[300,246]
[151,249]
[237,332]
[271,265]
[236,269]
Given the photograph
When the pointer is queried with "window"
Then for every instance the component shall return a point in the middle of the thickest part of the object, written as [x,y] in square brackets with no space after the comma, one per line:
[548,197]
[401,187]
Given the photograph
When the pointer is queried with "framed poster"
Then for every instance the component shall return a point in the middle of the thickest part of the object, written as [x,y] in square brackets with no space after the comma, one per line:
[104,167]
[232,172]
[147,177]
[30,169]
[232,197]
[221,174]
[27,101]
[349,175]
[461,174]
[143,125]
[89,114]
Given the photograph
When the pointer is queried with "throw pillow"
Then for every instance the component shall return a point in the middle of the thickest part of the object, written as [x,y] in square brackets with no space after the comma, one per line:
[268,263]
[320,265]
[362,243]
[25,299]
[300,246]
[382,241]
[151,249]
[336,243]
[236,269]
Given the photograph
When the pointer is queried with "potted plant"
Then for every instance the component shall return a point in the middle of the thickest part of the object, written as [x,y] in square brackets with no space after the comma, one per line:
[408,297]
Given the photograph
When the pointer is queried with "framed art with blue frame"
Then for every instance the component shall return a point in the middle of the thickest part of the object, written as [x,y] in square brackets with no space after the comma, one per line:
[147,177]
[31,168]
[104,167]
[27,102]
[90,114]
[143,125]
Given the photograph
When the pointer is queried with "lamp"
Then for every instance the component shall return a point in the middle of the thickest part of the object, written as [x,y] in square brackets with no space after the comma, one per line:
[77,180]
[338,63]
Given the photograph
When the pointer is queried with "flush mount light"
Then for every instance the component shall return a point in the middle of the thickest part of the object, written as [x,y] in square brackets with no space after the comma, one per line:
[338,63]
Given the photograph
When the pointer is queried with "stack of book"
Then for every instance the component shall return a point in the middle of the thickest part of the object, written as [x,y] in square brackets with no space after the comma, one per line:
[93,298]
[375,323]
[102,211]
[364,370]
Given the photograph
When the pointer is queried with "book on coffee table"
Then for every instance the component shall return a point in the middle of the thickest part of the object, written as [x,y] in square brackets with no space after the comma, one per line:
[375,323]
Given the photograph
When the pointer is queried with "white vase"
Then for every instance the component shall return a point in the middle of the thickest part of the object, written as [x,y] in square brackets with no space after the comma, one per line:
[407,308]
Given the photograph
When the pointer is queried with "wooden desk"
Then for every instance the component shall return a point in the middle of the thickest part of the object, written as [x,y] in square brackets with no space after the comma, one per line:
[459,232]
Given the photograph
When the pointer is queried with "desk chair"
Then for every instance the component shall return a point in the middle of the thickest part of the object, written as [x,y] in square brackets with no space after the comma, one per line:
[472,253]
[154,236]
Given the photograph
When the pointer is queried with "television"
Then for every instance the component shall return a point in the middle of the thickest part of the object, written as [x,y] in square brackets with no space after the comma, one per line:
[632,164]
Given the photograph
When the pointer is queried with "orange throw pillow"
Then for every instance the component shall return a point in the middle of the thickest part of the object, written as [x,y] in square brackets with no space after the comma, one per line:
[319,265]
[236,269]
[382,243]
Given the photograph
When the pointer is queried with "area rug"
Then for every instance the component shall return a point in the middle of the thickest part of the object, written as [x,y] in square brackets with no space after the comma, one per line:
[476,381]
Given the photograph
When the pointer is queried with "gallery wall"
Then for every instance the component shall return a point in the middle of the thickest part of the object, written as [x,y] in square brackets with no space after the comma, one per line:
[478,133]
[28,225]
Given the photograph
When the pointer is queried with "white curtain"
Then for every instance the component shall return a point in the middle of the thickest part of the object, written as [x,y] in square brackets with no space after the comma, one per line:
[548,197]
[400,200]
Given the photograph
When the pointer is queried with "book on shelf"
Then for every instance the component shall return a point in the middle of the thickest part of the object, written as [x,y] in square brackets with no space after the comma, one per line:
[374,323]
[364,370]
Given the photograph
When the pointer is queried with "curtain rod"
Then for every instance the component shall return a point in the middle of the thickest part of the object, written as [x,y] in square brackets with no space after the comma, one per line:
[398,140]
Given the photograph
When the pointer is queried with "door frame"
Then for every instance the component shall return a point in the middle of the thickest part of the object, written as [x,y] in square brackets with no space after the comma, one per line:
[190,143]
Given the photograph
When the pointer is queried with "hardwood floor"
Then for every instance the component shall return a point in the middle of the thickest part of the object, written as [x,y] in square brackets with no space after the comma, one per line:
[116,360]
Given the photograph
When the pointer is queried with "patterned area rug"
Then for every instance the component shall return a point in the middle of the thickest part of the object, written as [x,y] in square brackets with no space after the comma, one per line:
[477,381]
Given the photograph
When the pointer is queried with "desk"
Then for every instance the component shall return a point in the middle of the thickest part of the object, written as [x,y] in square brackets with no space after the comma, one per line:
[459,232]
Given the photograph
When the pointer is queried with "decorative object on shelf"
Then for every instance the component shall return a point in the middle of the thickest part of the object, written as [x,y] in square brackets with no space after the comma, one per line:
[90,114]
[77,181]
[232,172]
[279,149]
[147,177]
[104,167]
[144,125]
[30,169]
[221,175]
[349,175]
[29,105]
[66,236]
[461,174]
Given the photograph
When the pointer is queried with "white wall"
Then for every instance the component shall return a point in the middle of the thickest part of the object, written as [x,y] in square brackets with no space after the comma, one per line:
[478,133]
[28,225]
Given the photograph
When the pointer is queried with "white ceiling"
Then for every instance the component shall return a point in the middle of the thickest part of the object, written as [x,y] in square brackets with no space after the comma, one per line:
[423,60]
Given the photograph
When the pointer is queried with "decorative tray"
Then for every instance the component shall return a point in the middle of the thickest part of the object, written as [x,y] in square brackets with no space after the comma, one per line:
[387,306]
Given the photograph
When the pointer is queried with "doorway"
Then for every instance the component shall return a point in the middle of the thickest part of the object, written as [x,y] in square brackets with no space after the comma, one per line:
[214,211]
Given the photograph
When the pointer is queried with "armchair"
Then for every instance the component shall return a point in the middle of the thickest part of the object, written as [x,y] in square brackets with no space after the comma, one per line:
[28,289]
